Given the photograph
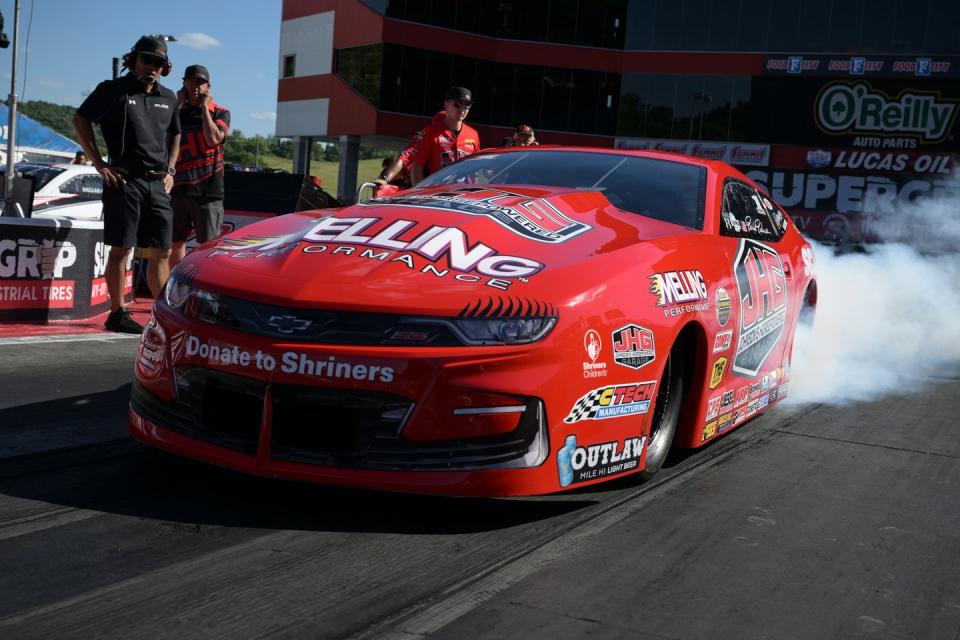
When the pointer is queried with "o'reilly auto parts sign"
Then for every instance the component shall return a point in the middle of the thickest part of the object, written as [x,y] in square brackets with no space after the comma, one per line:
[858,109]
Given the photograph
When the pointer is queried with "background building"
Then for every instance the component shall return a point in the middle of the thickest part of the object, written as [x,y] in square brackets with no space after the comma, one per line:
[836,106]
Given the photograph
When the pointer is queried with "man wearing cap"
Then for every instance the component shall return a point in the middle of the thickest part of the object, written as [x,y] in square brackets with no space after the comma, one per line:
[398,171]
[139,122]
[198,184]
[446,142]
[524,137]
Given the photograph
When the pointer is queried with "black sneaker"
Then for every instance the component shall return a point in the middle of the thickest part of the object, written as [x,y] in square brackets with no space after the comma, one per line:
[121,322]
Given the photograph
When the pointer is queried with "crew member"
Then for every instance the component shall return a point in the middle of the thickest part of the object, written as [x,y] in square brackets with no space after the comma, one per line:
[139,123]
[198,185]
[398,171]
[446,142]
[524,137]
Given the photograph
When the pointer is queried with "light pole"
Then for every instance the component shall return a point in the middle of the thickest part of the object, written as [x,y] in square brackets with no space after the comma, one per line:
[9,203]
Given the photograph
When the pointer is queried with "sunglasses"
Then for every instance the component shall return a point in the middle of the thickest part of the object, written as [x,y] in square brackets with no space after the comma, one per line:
[153,61]
[459,104]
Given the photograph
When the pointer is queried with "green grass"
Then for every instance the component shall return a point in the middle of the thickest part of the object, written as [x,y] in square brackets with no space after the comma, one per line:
[326,171]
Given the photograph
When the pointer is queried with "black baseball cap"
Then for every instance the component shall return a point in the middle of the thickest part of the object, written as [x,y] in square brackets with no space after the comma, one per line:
[196,71]
[152,45]
[460,94]
[524,128]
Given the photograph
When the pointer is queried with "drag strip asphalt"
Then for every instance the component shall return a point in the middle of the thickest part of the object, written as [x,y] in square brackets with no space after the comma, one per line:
[810,522]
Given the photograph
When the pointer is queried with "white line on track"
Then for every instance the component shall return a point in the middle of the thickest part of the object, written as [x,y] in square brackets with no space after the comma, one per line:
[77,337]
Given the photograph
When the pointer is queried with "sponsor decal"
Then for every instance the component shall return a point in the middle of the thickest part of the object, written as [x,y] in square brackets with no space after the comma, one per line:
[843,108]
[448,250]
[721,342]
[580,464]
[612,402]
[724,422]
[532,218]
[763,401]
[755,389]
[791,64]
[289,362]
[818,158]
[757,155]
[680,292]
[752,407]
[709,430]
[716,376]
[713,406]
[739,415]
[721,301]
[152,350]
[762,293]
[782,391]
[633,346]
[593,347]
[741,396]
[727,399]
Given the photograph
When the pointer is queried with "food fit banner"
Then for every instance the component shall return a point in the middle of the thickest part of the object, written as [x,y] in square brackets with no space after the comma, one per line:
[738,153]
[880,115]
[863,65]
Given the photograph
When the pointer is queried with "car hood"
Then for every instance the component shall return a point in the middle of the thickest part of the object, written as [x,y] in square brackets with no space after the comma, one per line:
[434,250]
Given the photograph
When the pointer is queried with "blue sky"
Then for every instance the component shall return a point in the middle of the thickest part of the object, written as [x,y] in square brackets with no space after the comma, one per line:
[72,43]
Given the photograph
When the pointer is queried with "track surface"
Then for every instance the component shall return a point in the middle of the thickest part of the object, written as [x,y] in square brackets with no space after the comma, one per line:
[819,522]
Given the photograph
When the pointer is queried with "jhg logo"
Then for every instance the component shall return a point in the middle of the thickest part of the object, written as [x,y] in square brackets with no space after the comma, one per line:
[858,108]
[44,260]
[762,292]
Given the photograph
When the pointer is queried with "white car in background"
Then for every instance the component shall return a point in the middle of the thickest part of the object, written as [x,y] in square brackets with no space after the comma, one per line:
[69,191]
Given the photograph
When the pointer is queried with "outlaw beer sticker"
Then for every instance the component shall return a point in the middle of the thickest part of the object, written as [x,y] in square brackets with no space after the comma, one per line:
[762,294]
[580,464]
[633,346]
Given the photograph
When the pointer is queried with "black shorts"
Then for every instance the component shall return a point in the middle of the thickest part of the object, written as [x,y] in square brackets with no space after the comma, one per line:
[205,215]
[137,214]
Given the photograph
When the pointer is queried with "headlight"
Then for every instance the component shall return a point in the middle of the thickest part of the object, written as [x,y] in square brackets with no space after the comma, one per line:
[493,331]
[182,296]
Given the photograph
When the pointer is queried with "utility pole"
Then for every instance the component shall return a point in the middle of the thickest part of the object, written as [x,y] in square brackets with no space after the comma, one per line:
[9,203]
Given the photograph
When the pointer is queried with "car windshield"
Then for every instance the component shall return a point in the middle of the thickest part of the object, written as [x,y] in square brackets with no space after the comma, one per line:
[41,175]
[662,189]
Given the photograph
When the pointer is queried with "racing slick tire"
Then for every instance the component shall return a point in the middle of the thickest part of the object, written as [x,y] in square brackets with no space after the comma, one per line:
[666,414]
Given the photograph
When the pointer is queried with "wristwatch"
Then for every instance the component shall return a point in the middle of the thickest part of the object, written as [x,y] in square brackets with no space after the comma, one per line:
[171,171]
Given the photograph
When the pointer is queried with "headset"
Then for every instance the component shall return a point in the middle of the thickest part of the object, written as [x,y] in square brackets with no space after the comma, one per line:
[130,60]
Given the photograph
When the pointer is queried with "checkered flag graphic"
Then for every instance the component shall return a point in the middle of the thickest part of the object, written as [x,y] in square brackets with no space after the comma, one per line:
[586,407]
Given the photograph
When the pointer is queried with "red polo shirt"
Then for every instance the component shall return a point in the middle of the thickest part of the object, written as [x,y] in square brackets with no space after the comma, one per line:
[440,147]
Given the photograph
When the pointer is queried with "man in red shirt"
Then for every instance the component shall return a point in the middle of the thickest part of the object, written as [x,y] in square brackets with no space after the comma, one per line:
[446,142]
[398,172]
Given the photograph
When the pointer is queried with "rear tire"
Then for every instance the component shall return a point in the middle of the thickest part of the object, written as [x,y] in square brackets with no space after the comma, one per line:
[666,414]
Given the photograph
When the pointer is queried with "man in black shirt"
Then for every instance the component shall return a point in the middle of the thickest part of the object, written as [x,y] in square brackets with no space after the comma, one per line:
[198,185]
[140,125]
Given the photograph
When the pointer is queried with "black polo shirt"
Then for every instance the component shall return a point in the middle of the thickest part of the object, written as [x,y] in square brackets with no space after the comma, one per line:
[135,124]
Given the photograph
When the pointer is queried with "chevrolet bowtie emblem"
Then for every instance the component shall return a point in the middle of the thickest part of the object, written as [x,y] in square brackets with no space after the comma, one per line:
[288,324]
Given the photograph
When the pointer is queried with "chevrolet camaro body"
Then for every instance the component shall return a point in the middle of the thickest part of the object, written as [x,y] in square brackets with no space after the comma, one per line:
[523,322]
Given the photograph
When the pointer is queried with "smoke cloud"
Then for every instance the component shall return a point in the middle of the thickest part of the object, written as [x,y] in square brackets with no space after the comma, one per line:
[886,319]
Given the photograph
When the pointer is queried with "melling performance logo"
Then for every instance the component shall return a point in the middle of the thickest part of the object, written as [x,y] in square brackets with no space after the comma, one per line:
[533,218]
[579,464]
[843,108]
[393,241]
[762,291]
[612,402]
[679,291]
[633,346]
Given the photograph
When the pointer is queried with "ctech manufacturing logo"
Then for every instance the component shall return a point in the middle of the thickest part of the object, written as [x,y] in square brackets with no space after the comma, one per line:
[762,293]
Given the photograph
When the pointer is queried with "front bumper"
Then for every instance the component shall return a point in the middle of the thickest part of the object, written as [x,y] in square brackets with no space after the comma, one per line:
[363,435]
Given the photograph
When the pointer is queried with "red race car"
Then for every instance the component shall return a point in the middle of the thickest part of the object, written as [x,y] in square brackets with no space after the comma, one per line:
[524,321]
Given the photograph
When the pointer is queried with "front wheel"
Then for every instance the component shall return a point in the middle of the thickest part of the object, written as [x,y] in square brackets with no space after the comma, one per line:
[666,415]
